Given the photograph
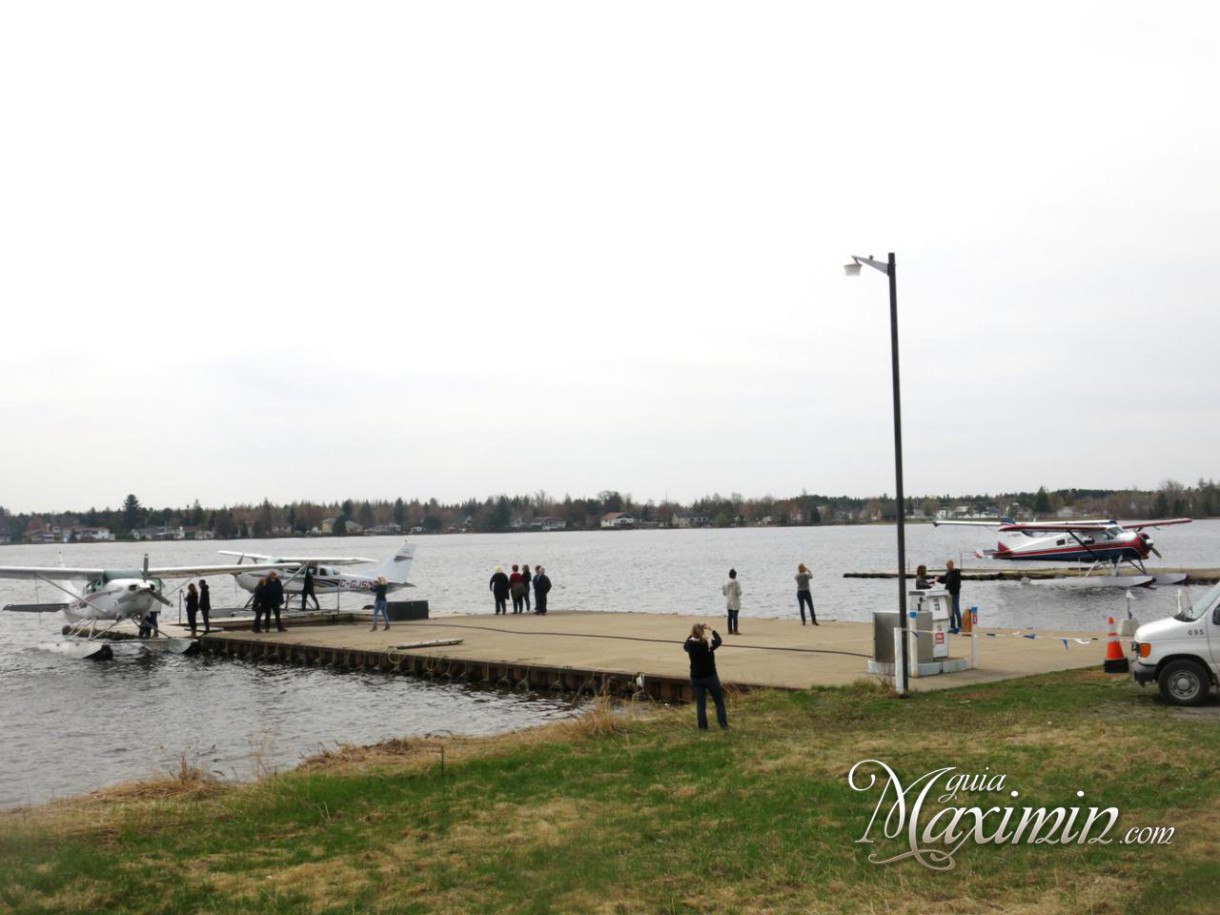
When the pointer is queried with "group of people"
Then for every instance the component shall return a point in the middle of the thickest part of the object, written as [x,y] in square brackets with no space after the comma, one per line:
[268,598]
[517,586]
[952,580]
[198,601]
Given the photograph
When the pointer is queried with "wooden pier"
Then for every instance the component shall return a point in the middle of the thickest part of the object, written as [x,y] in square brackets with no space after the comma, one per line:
[622,654]
[1016,572]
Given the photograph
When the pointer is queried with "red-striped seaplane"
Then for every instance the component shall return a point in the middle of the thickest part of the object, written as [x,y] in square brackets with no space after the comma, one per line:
[1102,543]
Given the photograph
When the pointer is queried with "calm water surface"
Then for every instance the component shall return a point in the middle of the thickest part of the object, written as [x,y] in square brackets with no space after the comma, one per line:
[70,726]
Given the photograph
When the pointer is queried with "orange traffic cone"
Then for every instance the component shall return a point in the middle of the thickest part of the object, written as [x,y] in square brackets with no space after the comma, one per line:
[1116,661]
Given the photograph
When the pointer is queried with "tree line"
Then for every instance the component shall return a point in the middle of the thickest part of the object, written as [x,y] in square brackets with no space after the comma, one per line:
[501,513]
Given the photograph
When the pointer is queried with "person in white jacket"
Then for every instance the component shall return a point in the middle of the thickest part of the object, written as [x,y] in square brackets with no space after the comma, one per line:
[732,595]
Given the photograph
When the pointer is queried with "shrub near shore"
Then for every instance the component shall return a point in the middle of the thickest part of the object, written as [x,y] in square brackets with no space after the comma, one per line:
[640,813]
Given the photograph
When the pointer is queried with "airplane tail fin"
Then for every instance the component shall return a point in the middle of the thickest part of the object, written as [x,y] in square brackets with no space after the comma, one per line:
[397,567]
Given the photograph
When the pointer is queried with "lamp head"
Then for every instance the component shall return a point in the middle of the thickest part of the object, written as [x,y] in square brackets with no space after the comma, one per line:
[852,269]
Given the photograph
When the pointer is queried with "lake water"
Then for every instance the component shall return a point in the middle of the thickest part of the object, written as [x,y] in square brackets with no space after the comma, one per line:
[69,726]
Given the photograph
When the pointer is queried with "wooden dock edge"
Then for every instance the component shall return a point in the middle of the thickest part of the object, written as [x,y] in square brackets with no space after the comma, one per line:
[572,682]
[1193,576]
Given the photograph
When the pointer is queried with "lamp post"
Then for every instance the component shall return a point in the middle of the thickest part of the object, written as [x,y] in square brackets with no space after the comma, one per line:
[890,269]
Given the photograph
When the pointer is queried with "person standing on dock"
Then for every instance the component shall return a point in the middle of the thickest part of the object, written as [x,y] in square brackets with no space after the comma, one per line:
[516,587]
[525,587]
[499,590]
[205,604]
[803,595]
[192,606]
[952,580]
[732,595]
[274,599]
[307,590]
[703,678]
[542,585]
[921,579]
[259,603]
[380,605]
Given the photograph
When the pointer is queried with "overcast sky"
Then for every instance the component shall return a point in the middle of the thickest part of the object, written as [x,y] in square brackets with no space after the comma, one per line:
[326,250]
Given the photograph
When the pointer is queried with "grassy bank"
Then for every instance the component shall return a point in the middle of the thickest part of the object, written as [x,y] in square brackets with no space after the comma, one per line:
[640,813]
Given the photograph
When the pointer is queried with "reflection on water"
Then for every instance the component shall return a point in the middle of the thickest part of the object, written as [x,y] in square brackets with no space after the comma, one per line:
[68,726]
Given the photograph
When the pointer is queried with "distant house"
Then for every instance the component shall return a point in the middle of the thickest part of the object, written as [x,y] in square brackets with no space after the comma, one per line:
[165,532]
[92,535]
[686,519]
[617,520]
[44,534]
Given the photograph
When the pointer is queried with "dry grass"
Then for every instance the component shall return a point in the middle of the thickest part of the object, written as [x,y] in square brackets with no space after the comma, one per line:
[602,717]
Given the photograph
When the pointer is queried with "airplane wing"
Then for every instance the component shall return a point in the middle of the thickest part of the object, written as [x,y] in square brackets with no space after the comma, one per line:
[258,557]
[998,522]
[285,561]
[1164,522]
[58,573]
[34,608]
[1065,527]
[192,571]
[61,573]
[1090,525]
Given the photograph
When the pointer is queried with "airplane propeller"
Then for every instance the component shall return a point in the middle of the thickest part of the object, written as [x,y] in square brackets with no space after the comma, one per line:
[157,595]
[152,588]
[1148,543]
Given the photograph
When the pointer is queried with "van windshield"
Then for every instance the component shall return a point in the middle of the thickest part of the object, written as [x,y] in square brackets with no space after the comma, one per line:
[1201,606]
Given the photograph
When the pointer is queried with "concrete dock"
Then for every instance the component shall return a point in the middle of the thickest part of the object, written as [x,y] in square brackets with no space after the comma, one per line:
[625,653]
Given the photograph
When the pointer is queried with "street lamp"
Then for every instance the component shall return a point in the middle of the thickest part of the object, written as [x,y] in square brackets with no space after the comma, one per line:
[890,269]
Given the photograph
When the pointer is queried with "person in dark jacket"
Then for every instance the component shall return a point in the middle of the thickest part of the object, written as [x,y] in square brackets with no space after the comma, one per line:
[516,587]
[703,679]
[525,587]
[192,606]
[952,580]
[258,604]
[307,590]
[499,590]
[205,604]
[542,586]
[274,599]
[380,605]
[921,579]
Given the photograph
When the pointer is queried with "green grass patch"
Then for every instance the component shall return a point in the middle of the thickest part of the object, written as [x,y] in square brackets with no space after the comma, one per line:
[645,814]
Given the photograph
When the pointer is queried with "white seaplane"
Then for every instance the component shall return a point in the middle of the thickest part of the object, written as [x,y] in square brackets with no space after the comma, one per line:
[1102,543]
[326,572]
[103,599]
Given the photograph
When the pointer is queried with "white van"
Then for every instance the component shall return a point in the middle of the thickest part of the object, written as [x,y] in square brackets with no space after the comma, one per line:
[1180,653]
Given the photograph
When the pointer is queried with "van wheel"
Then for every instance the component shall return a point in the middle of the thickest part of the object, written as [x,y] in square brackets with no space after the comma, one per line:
[1184,682]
